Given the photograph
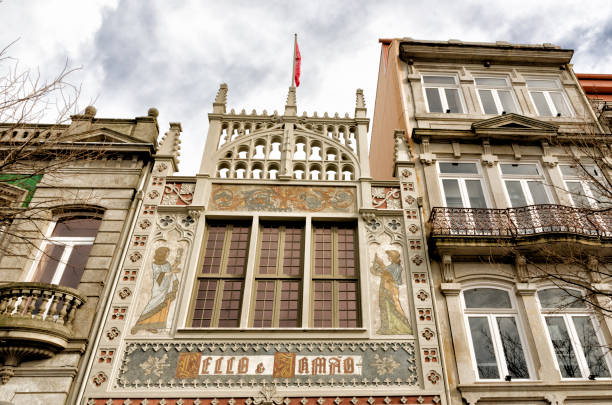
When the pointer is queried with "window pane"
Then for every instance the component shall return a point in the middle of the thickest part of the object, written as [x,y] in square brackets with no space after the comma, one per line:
[75,266]
[483,347]
[546,84]
[475,193]
[347,304]
[323,251]
[292,255]
[239,245]
[488,104]
[346,252]
[591,347]
[229,314]
[486,298]
[541,104]
[513,349]
[562,346]
[491,81]
[323,304]
[522,169]
[560,105]
[515,192]
[204,305]
[289,311]
[78,227]
[557,298]
[577,193]
[51,256]
[452,193]
[439,80]
[453,101]
[568,170]
[214,249]
[264,304]
[507,102]
[268,250]
[538,192]
[467,168]
[433,100]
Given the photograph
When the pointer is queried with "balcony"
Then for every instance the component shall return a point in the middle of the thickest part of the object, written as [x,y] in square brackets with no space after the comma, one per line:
[488,228]
[35,322]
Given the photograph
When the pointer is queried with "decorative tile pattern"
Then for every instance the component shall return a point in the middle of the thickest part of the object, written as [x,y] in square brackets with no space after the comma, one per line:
[386,198]
[178,194]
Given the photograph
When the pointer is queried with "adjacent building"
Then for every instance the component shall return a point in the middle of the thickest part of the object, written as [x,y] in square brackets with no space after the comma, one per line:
[67,206]
[513,168]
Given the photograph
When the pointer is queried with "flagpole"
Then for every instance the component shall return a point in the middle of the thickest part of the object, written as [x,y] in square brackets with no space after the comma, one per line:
[293,63]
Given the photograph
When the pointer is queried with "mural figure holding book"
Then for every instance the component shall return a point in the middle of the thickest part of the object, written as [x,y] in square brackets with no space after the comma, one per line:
[165,285]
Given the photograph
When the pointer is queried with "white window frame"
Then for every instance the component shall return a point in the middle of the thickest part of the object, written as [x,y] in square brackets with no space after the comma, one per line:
[524,179]
[492,314]
[461,177]
[495,94]
[68,242]
[440,88]
[567,314]
[546,91]
[586,184]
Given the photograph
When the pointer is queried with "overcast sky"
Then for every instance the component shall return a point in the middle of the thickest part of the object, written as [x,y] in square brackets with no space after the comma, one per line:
[174,54]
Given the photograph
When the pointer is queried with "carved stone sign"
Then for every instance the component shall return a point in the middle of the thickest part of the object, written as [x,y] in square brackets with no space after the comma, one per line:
[209,365]
[228,197]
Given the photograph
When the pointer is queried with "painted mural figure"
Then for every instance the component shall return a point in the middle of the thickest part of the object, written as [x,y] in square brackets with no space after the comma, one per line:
[393,320]
[163,292]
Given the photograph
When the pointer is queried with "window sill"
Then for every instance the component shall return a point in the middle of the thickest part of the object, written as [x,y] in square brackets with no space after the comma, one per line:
[272,330]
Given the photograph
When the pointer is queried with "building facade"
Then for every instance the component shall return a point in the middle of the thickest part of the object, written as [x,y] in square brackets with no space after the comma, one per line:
[513,167]
[67,205]
[279,274]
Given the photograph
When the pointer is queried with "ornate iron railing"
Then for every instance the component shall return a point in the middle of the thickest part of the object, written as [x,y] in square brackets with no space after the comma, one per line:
[525,221]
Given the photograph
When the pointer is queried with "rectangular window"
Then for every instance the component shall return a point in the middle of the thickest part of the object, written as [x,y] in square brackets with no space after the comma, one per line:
[586,186]
[442,94]
[549,98]
[278,287]
[524,184]
[496,95]
[221,278]
[335,289]
[461,185]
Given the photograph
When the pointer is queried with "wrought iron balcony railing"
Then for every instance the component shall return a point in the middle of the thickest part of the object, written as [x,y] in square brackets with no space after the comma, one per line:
[531,220]
[35,322]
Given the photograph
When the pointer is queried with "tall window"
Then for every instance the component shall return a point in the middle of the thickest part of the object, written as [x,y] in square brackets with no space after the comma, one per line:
[335,290]
[278,284]
[573,334]
[496,95]
[524,184]
[442,94]
[64,252]
[221,277]
[584,185]
[496,343]
[461,185]
[548,97]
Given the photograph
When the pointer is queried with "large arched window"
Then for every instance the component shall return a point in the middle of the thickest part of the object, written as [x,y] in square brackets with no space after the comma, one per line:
[496,342]
[65,250]
[573,334]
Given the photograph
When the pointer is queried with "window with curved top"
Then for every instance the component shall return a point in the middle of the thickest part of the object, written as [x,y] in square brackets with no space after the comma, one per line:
[496,343]
[65,250]
[573,334]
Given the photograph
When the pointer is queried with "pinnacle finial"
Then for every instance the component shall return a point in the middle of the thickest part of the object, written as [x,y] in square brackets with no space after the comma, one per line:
[170,144]
[291,105]
[220,99]
[360,107]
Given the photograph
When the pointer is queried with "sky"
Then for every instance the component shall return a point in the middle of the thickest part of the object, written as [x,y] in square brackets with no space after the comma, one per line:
[132,55]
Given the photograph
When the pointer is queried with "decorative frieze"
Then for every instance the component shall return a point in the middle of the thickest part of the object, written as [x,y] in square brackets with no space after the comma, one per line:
[178,193]
[386,198]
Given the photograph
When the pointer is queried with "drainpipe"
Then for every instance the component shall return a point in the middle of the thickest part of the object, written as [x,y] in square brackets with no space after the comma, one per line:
[83,372]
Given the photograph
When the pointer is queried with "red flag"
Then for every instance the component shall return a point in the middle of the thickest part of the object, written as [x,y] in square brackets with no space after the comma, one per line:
[296,64]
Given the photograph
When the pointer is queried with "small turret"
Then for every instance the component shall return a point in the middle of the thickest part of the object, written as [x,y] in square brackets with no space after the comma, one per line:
[220,100]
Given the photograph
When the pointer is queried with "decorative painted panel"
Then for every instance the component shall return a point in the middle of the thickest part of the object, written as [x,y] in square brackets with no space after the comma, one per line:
[386,198]
[295,364]
[282,198]
[178,193]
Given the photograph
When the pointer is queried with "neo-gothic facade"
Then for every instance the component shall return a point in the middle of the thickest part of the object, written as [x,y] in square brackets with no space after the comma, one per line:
[514,170]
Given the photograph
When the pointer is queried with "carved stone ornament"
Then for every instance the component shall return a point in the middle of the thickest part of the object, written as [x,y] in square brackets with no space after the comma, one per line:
[427,334]
[112,333]
[144,224]
[99,378]
[386,198]
[417,259]
[135,256]
[433,377]
[520,264]
[153,194]
[406,173]
[413,228]
[124,293]
[448,272]
[268,396]
[391,226]
[161,167]
[422,295]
